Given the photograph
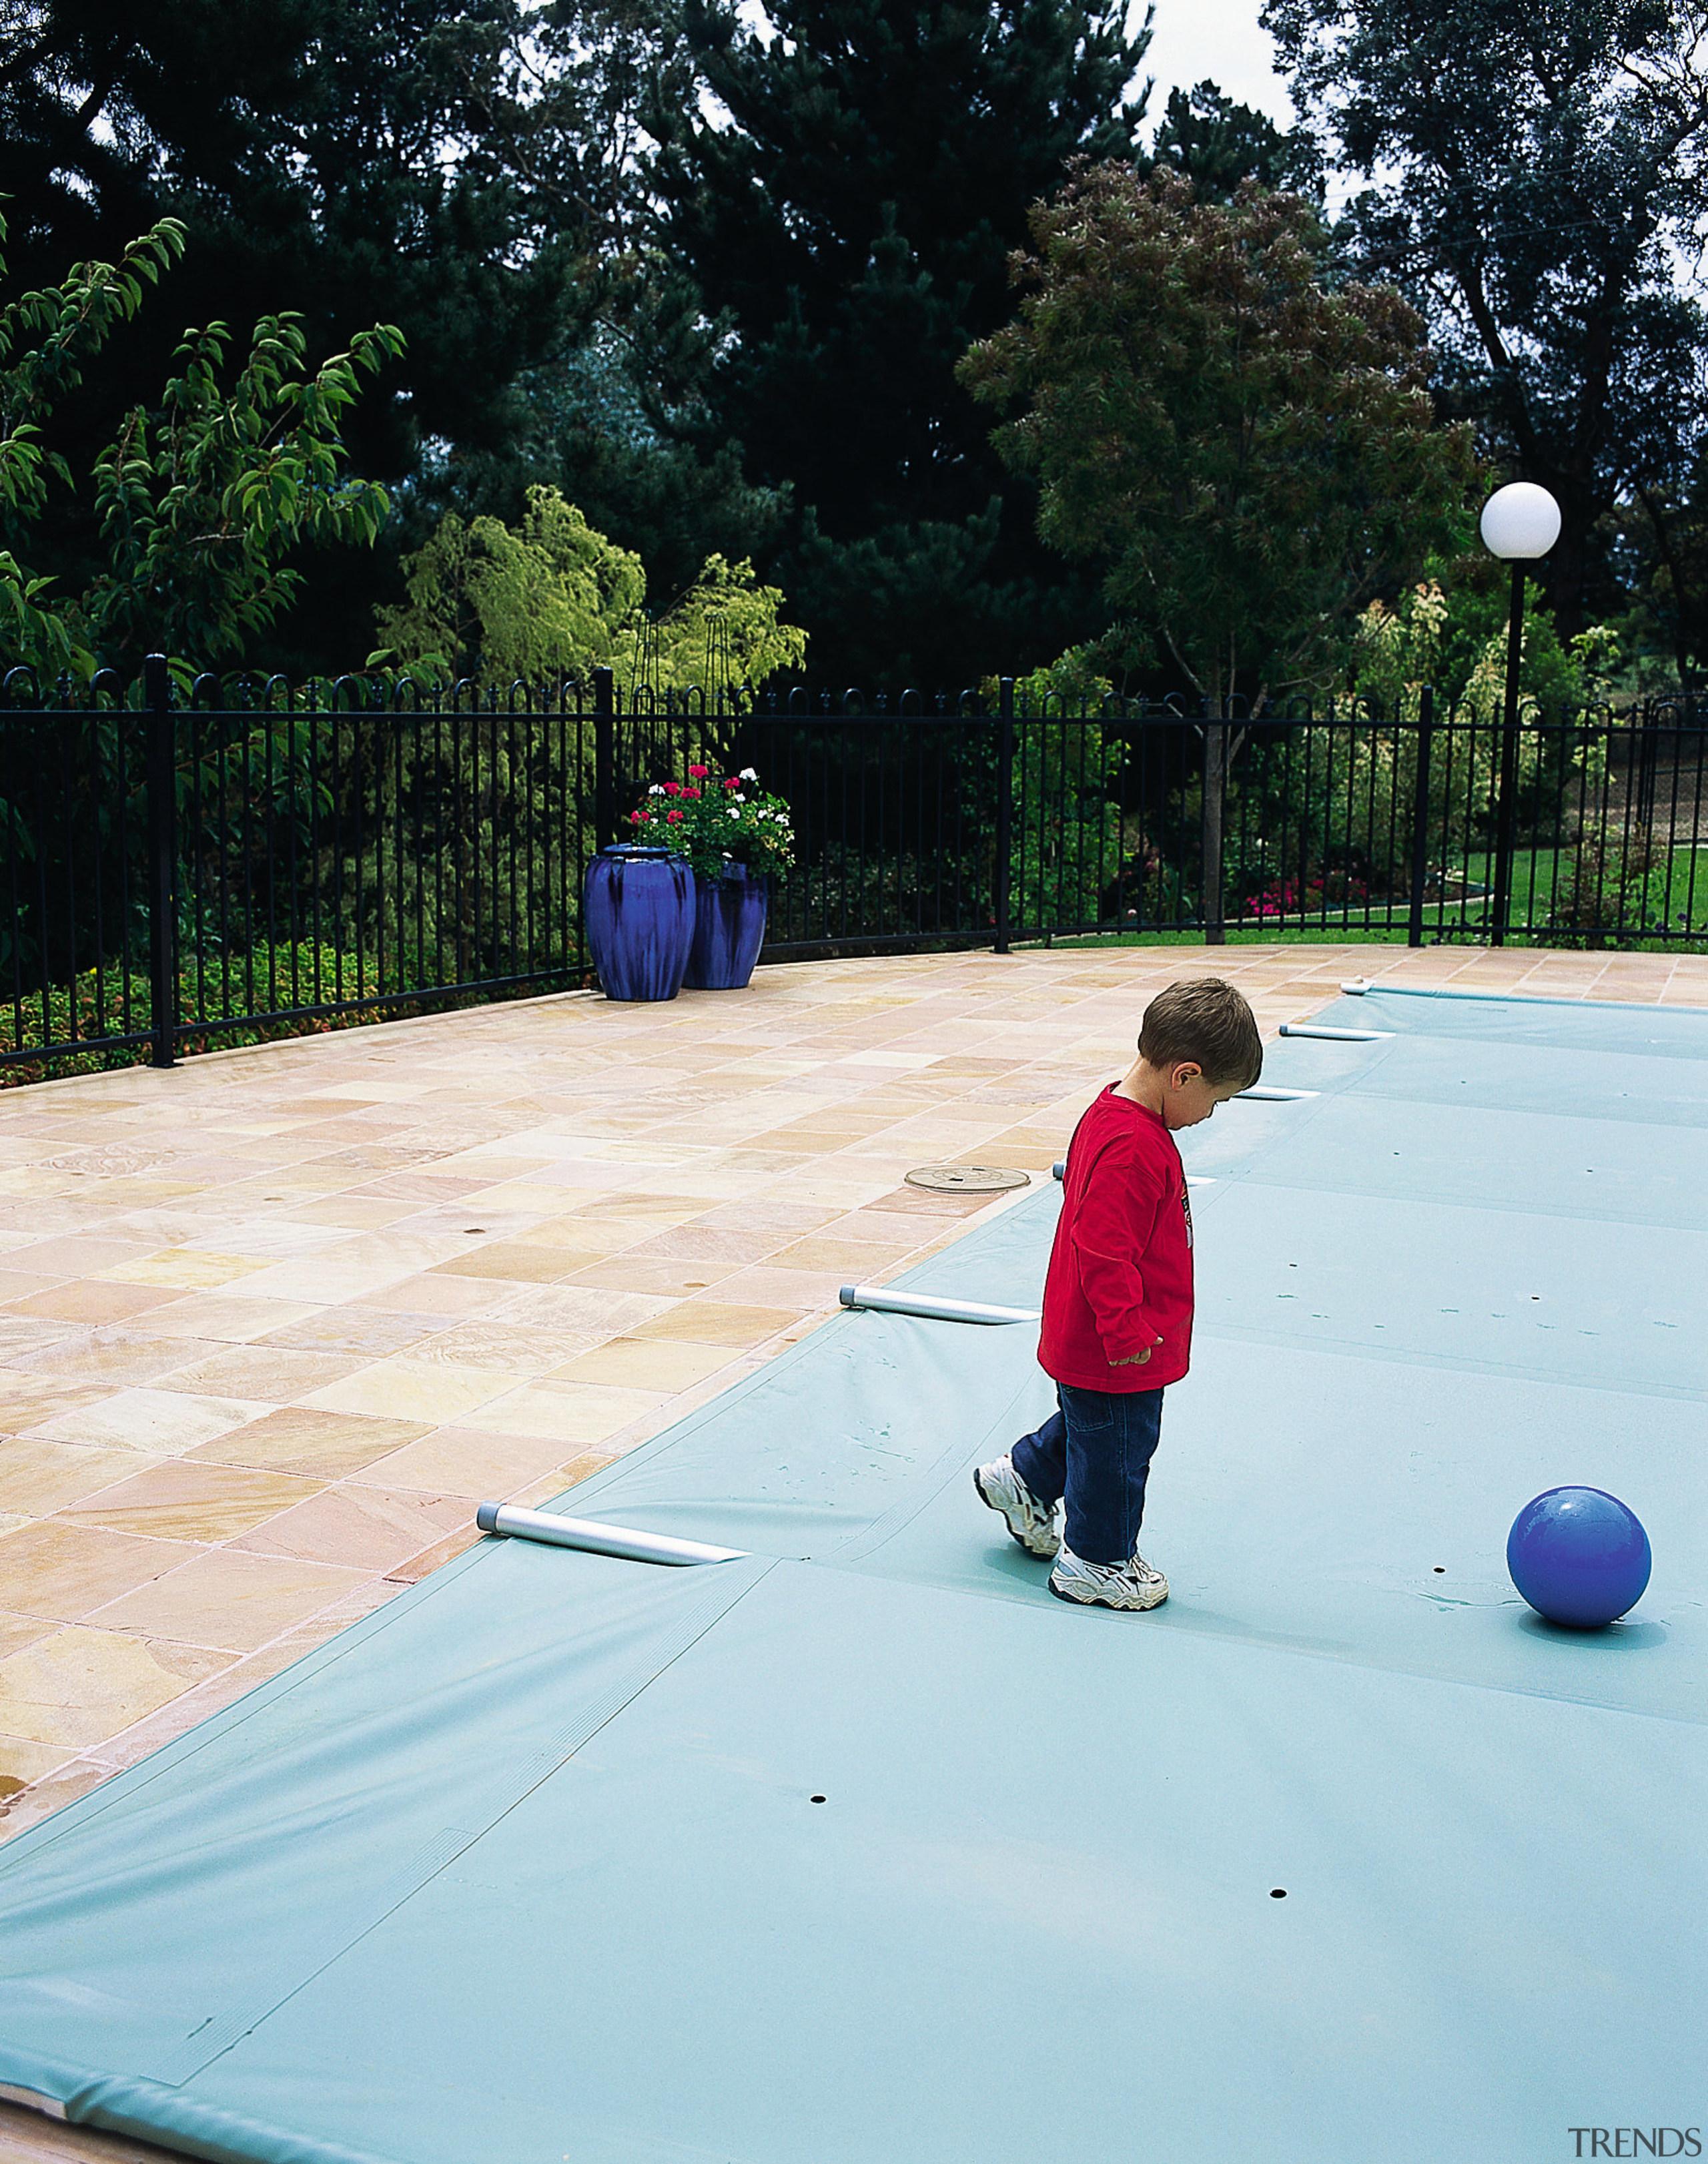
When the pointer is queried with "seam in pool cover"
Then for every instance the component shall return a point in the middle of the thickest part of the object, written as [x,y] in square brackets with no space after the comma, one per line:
[179,2063]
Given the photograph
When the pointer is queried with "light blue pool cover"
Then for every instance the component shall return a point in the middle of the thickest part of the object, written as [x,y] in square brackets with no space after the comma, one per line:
[862,1851]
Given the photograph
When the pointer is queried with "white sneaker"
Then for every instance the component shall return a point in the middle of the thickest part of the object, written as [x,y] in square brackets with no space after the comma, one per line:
[1033,1524]
[1132,1585]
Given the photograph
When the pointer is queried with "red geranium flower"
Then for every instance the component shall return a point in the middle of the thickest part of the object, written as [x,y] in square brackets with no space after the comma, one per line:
[697,773]
[690,792]
[673,789]
[673,819]
[732,782]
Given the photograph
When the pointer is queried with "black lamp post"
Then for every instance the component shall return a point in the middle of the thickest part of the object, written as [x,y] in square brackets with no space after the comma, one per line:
[1520,523]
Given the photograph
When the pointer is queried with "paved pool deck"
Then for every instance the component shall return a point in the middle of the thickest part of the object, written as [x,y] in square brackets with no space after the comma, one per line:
[273,1322]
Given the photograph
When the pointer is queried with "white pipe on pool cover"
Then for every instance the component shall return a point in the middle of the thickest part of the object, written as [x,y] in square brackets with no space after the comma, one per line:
[1265,1095]
[933,1311]
[1334,1036]
[597,1539]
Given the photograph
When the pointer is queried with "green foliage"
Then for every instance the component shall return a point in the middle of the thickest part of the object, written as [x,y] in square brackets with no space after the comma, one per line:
[201,503]
[545,599]
[1537,176]
[715,819]
[846,219]
[551,598]
[1069,848]
[1453,636]
[1249,455]
[1208,139]
[340,160]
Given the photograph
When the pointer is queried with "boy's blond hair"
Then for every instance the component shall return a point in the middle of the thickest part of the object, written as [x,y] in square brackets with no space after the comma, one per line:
[1204,1020]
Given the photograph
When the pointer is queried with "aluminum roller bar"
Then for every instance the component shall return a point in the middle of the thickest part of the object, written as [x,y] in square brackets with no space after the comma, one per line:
[597,1539]
[1265,1095]
[1334,1036]
[932,1311]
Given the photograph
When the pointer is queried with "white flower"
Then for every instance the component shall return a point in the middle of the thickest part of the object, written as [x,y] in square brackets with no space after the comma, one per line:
[749,774]
[657,790]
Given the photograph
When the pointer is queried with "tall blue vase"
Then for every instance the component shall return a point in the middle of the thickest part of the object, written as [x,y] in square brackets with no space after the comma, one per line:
[638,905]
[729,927]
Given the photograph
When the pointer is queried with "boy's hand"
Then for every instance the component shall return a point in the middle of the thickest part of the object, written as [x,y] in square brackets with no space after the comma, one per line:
[1134,1359]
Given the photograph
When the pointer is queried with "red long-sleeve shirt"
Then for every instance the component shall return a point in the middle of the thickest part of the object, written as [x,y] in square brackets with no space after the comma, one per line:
[1120,1273]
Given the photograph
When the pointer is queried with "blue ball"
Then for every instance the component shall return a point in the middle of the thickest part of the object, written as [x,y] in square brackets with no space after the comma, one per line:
[1579,1556]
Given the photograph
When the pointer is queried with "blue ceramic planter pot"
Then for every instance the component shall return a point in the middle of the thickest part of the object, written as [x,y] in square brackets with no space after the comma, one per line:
[729,927]
[638,905]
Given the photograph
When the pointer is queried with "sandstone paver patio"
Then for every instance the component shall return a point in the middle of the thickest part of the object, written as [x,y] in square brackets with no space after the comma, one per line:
[273,1322]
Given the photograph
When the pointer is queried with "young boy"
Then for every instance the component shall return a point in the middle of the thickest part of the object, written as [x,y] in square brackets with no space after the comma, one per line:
[1118,1301]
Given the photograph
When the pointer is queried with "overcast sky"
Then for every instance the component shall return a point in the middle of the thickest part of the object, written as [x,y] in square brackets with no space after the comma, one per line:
[1219,38]
[1192,40]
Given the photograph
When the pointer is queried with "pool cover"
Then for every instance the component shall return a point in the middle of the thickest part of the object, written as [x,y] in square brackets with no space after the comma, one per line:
[861,1849]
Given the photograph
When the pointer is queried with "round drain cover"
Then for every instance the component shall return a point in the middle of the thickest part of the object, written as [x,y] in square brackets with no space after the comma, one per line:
[966,1178]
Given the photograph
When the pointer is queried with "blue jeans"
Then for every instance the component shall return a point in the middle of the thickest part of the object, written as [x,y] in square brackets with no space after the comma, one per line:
[1095,1451]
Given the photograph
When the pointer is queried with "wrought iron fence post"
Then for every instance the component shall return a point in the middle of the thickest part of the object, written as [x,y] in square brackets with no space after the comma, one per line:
[1005,806]
[1420,814]
[604,758]
[1507,804]
[162,858]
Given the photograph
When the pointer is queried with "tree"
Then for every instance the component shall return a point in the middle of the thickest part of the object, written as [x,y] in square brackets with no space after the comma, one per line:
[552,597]
[846,231]
[200,504]
[1538,174]
[1214,143]
[1249,455]
[331,160]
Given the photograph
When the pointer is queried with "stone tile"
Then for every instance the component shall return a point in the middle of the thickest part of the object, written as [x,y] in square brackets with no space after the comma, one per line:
[166,1422]
[186,1269]
[22,1284]
[114,1356]
[82,1684]
[325,1278]
[363,1527]
[181,1500]
[20,1631]
[64,1572]
[223,1320]
[23,1760]
[76,1255]
[645,1364]
[226,1600]
[510,1347]
[859,1260]
[429,1390]
[26,1399]
[584,1311]
[430,1559]
[355,1329]
[92,1300]
[273,1374]
[445,1299]
[667,1280]
[510,1259]
[708,1322]
[38,1476]
[568,1413]
[466,1463]
[76,1777]
[309,1441]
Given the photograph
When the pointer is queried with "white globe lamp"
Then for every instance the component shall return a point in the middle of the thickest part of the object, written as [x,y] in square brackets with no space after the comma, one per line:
[1520,521]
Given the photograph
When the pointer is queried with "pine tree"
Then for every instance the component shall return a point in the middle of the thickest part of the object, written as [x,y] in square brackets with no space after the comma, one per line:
[848,230]
[333,159]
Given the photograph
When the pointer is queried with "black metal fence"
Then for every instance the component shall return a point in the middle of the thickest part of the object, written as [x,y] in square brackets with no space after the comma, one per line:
[177,870]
